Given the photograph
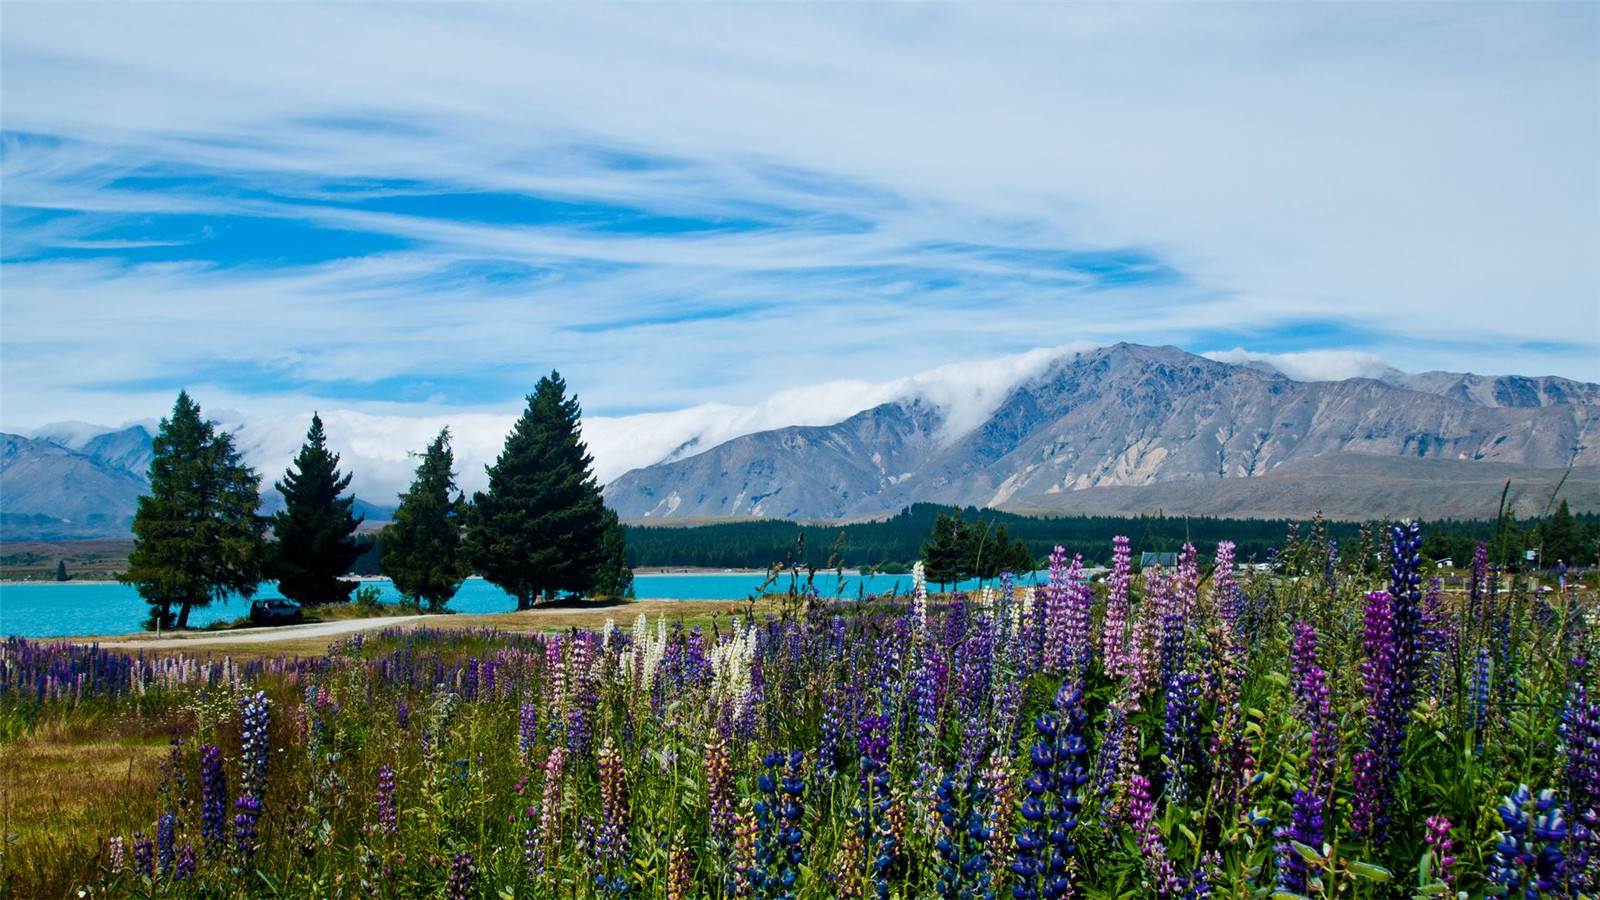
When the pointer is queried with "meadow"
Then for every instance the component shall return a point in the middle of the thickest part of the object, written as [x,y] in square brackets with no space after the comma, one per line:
[1337,726]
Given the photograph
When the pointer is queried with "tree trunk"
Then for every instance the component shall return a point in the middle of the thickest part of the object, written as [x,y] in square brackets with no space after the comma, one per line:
[183,617]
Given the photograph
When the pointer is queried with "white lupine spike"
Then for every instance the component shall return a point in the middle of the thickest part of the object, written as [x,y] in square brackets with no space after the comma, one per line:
[919,596]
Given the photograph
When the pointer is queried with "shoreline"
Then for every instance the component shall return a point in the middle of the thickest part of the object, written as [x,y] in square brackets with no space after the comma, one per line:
[651,571]
[207,639]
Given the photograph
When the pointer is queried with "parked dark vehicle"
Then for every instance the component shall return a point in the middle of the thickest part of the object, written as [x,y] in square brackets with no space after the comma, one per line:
[275,611]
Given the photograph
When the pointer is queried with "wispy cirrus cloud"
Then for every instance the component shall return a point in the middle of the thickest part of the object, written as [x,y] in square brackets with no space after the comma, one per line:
[416,211]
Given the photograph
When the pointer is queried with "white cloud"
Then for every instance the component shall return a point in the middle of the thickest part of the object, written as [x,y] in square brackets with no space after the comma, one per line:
[1417,171]
[377,447]
[1311,365]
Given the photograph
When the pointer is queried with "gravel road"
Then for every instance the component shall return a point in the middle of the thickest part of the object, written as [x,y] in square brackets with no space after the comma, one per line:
[260,635]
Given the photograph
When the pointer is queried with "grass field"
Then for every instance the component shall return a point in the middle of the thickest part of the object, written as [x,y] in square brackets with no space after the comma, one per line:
[1199,731]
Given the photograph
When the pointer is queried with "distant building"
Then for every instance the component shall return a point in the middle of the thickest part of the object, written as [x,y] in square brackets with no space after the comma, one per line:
[1148,559]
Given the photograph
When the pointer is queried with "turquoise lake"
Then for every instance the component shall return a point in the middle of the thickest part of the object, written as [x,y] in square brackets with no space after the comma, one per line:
[52,609]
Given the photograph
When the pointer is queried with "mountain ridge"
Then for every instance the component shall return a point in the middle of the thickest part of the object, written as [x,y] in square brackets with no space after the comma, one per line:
[1133,416]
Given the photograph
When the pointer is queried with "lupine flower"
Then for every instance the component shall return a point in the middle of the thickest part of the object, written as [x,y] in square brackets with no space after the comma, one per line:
[1439,842]
[1528,860]
[1045,845]
[1000,789]
[1580,747]
[166,849]
[1376,765]
[116,855]
[1478,690]
[778,811]
[187,862]
[1180,735]
[919,599]
[1056,613]
[402,715]
[527,729]
[612,841]
[1305,827]
[875,828]
[719,788]
[459,885]
[144,856]
[388,821]
[1316,708]
[1113,632]
[1152,847]
[1079,603]
[549,837]
[253,744]
[680,870]
[963,840]
[1225,590]
[213,800]
[1410,634]
[244,824]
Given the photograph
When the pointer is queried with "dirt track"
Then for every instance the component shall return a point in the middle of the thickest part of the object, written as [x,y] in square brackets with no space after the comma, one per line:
[261,635]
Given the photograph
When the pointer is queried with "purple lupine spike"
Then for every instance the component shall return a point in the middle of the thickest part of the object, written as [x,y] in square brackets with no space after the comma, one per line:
[166,848]
[213,800]
[1316,707]
[1305,827]
[1437,838]
[1113,633]
[388,820]
[1224,587]
[1580,749]
[1055,613]
[1079,606]
[527,729]
[1180,735]
[1376,764]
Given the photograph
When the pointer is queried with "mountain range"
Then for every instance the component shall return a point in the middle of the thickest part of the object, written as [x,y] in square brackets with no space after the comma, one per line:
[75,483]
[1130,428]
[1118,429]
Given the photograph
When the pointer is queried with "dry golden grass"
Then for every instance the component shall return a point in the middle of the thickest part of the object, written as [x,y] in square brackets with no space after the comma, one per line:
[68,782]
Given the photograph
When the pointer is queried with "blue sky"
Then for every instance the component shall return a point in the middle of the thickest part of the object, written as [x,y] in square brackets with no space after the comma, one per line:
[409,212]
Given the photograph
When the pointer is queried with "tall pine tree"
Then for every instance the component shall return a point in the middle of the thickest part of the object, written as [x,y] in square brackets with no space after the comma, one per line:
[540,527]
[196,535]
[316,528]
[614,578]
[422,548]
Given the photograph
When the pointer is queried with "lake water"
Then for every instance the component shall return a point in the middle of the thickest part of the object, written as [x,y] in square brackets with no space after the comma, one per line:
[50,609]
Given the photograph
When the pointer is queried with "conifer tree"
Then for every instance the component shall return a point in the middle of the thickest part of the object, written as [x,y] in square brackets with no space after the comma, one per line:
[316,528]
[1559,536]
[422,548]
[947,553]
[614,578]
[196,535]
[540,527]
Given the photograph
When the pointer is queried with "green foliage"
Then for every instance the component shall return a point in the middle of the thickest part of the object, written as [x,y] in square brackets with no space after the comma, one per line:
[196,535]
[422,547]
[1560,536]
[613,578]
[315,531]
[540,528]
[897,540]
[947,554]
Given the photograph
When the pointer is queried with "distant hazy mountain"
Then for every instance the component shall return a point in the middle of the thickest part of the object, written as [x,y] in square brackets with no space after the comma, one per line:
[1133,428]
[73,483]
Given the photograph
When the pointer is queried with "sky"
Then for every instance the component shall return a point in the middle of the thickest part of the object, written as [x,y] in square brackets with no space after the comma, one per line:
[715,218]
